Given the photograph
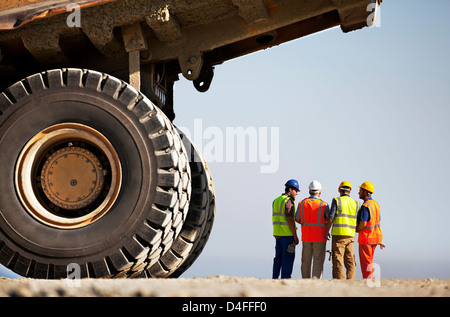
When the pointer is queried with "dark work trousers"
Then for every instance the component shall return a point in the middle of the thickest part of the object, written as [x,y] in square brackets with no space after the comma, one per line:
[284,260]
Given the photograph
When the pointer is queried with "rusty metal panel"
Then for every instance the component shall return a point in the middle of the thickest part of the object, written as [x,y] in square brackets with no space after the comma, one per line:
[8,4]
[15,13]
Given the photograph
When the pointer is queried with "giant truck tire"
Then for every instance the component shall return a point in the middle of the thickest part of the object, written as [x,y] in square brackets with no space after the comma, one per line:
[197,227]
[95,180]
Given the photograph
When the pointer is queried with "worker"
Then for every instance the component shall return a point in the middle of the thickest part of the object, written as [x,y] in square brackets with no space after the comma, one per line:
[284,230]
[311,215]
[342,216]
[368,229]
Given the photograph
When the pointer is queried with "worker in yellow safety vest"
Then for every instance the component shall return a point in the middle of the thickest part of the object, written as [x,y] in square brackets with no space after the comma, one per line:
[342,217]
[284,230]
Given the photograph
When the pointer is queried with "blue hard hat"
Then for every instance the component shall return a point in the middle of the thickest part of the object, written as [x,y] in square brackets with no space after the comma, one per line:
[292,183]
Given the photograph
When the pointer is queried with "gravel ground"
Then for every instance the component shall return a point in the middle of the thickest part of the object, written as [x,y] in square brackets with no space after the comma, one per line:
[222,286]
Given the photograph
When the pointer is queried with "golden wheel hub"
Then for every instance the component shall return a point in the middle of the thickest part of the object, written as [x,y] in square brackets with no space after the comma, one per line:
[72,178]
[68,176]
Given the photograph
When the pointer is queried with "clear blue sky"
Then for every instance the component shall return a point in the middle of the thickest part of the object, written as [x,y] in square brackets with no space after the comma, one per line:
[371,105]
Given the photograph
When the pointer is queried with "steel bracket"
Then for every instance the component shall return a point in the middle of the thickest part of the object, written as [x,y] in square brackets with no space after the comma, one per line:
[134,42]
[191,65]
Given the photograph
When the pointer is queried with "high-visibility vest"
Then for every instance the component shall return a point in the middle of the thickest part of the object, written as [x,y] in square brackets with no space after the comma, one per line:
[279,220]
[371,233]
[311,218]
[344,221]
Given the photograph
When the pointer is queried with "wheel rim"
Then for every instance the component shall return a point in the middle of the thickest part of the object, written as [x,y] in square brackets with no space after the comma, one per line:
[68,176]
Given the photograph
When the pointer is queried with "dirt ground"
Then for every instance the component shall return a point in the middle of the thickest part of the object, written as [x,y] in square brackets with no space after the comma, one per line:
[223,286]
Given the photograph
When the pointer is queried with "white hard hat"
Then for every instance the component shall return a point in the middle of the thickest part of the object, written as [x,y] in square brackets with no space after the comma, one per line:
[315,186]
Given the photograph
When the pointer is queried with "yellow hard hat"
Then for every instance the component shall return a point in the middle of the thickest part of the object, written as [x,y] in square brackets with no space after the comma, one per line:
[345,184]
[367,186]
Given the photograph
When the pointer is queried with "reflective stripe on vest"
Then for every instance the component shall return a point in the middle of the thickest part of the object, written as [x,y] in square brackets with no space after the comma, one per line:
[279,220]
[313,231]
[377,221]
[344,222]
[371,233]
[319,215]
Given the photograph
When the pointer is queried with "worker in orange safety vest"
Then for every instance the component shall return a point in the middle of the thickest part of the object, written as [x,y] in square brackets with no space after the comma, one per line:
[369,229]
[311,215]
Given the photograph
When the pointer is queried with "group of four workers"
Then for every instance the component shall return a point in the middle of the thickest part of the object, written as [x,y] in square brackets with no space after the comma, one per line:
[344,217]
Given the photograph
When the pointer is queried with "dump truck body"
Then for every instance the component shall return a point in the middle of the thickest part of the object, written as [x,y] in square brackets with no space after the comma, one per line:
[187,37]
